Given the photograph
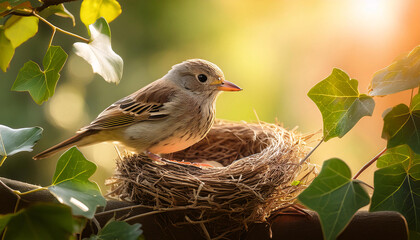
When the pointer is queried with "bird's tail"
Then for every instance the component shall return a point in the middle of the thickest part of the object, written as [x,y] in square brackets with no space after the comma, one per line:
[78,140]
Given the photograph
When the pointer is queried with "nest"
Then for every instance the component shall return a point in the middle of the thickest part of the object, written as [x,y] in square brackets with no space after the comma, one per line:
[259,169]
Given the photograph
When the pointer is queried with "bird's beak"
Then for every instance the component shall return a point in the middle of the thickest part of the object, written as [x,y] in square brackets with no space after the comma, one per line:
[228,86]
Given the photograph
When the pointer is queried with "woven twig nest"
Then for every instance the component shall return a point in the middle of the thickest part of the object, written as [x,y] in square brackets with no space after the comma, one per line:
[260,162]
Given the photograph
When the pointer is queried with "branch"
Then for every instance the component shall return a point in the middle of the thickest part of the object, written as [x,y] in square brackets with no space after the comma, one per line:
[283,225]
[59,29]
[48,3]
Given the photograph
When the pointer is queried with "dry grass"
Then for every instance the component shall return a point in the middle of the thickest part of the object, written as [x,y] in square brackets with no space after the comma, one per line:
[260,160]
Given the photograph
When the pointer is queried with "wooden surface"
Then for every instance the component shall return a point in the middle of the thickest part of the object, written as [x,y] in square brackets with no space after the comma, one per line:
[285,225]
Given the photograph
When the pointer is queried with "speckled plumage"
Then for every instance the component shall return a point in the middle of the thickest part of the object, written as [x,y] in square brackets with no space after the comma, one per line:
[168,115]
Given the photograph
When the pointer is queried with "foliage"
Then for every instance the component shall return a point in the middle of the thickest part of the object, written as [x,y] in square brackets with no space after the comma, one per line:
[13,141]
[334,196]
[401,75]
[22,19]
[402,125]
[118,230]
[71,184]
[396,183]
[99,54]
[41,83]
[340,103]
[94,9]
[78,196]
[39,221]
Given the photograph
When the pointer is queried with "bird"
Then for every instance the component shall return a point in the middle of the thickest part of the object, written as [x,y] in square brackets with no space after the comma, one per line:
[166,116]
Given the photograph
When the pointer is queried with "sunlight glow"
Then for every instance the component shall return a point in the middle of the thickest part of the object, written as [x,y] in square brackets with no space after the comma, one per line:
[67,108]
[79,204]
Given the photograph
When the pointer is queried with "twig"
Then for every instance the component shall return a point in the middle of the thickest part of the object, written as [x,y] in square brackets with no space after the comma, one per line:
[32,191]
[98,225]
[48,3]
[369,163]
[118,210]
[161,211]
[310,153]
[52,37]
[59,29]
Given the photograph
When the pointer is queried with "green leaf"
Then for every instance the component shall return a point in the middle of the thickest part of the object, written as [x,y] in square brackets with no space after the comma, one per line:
[397,185]
[99,54]
[118,230]
[6,51]
[402,125]
[334,196]
[71,185]
[13,141]
[46,221]
[4,220]
[401,75]
[58,10]
[19,29]
[41,84]
[340,103]
[91,10]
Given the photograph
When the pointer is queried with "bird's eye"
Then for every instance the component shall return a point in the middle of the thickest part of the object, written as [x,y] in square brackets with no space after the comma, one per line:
[202,78]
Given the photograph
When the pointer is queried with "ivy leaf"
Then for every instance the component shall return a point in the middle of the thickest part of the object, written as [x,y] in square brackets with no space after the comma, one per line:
[340,103]
[118,230]
[334,196]
[41,84]
[19,29]
[40,221]
[6,51]
[71,186]
[99,54]
[397,185]
[13,141]
[91,10]
[58,10]
[402,125]
[401,75]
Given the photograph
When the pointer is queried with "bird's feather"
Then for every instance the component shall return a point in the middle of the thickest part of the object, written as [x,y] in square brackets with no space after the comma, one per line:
[146,104]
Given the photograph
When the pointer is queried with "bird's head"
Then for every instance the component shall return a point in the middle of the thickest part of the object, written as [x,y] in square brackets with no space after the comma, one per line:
[200,76]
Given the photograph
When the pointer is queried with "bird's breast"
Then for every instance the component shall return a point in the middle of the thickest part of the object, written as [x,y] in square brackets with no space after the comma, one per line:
[191,129]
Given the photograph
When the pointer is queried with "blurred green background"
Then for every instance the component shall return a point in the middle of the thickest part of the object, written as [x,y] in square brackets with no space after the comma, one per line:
[276,50]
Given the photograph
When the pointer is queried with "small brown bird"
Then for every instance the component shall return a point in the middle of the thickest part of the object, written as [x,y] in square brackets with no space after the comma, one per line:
[168,115]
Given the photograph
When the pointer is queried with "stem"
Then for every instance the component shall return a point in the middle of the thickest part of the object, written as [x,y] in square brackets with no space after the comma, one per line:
[310,153]
[52,37]
[59,29]
[31,191]
[411,97]
[369,163]
[2,160]
[98,226]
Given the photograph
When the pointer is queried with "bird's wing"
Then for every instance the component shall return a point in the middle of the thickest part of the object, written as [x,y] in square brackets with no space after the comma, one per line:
[147,104]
